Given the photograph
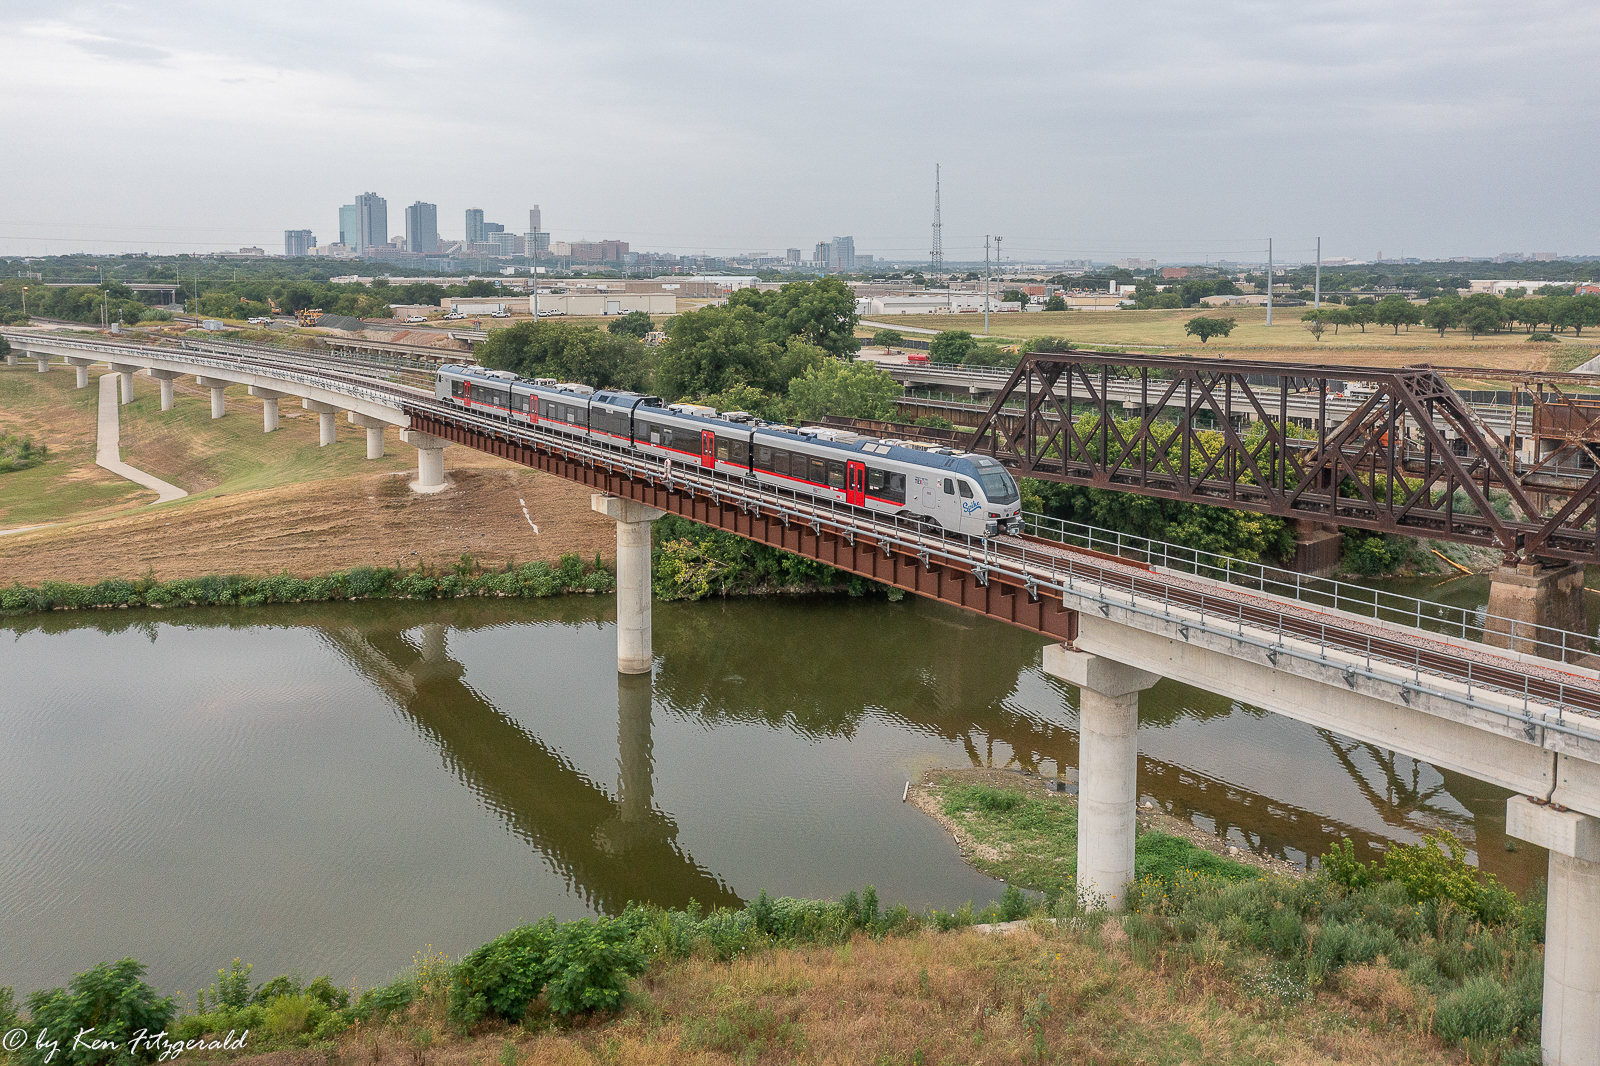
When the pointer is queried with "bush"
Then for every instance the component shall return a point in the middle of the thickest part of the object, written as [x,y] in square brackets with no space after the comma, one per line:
[19,453]
[1481,1009]
[110,999]
[580,967]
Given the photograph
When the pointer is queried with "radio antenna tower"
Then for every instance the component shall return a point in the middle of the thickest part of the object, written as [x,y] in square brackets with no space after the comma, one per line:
[936,265]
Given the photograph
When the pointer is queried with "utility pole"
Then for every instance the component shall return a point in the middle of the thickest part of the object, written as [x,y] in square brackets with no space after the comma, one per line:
[988,275]
[936,265]
[1269,281]
[1317,298]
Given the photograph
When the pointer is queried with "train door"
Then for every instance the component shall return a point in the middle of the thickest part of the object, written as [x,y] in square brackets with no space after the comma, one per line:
[708,448]
[855,484]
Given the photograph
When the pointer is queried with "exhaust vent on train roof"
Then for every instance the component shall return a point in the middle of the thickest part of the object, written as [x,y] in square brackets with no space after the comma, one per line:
[576,387]
[738,416]
[503,375]
[693,409]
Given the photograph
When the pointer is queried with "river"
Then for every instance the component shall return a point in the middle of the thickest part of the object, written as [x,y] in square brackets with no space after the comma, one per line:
[335,788]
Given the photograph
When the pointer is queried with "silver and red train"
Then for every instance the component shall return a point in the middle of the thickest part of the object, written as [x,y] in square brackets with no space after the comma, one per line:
[965,493]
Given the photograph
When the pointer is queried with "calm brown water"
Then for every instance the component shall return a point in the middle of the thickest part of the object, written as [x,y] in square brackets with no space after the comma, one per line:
[334,788]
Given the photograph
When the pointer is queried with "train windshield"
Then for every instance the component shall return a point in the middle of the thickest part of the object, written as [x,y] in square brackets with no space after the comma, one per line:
[997,484]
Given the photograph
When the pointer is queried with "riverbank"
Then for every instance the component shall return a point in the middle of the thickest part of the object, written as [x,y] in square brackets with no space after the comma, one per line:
[1420,936]
[466,579]
[791,981]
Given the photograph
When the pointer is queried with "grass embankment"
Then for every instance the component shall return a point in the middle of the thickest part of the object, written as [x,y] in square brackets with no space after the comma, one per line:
[48,409]
[528,581]
[1285,339]
[1418,942]
[789,981]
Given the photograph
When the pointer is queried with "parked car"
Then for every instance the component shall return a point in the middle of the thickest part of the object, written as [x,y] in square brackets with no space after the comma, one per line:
[499,314]
[416,318]
[453,315]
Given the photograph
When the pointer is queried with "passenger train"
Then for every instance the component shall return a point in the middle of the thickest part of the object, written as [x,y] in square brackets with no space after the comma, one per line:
[965,493]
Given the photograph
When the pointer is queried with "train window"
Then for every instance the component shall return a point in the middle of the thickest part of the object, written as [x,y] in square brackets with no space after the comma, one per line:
[741,452]
[724,449]
[458,388]
[897,488]
[763,457]
[966,490]
[818,472]
[949,487]
[835,475]
[780,462]
[655,435]
[875,480]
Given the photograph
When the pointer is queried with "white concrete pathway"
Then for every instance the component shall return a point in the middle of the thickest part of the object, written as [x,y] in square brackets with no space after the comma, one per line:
[108,447]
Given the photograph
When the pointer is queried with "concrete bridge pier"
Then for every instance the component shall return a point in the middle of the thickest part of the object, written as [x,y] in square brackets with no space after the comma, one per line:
[1569,1032]
[374,428]
[634,654]
[43,361]
[125,371]
[430,460]
[166,377]
[327,420]
[269,406]
[219,401]
[1108,768]
[13,357]
[1530,604]
[82,367]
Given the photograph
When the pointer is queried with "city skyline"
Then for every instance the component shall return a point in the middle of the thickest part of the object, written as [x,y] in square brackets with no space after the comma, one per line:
[1197,135]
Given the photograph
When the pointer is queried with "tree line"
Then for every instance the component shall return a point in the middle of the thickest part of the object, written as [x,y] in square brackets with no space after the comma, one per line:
[1558,308]
[781,355]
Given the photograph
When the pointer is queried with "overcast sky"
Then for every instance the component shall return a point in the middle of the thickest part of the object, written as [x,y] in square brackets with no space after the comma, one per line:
[1077,131]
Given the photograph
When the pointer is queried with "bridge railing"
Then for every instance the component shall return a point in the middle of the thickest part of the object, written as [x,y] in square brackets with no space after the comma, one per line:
[1466,623]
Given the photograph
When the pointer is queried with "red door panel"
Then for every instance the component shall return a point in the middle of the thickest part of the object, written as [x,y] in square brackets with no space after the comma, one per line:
[855,481]
[708,448]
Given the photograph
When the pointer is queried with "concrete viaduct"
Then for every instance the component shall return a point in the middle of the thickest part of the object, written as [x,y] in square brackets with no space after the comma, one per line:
[1525,723]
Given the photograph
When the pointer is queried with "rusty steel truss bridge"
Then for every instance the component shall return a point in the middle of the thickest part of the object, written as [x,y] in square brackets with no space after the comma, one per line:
[1409,455]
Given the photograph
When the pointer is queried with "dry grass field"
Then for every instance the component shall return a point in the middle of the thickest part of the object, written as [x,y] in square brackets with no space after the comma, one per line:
[1286,339]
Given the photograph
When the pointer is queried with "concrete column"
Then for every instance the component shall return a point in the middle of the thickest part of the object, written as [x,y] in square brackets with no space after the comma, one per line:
[269,406]
[219,401]
[165,377]
[1316,548]
[82,367]
[1569,1031]
[125,371]
[43,361]
[327,414]
[13,357]
[1108,768]
[634,655]
[430,460]
[374,428]
[1530,604]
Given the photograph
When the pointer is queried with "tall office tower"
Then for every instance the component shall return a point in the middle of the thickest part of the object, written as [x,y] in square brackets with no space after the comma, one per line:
[823,254]
[842,254]
[422,228]
[349,225]
[298,242]
[372,229]
[533,220]
[490,228]
[474,225]
[794,255]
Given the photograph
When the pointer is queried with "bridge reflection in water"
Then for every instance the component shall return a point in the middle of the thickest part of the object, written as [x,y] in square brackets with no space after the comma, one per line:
[826,671]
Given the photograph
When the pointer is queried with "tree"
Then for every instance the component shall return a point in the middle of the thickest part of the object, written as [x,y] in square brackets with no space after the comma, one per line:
[569,353]
[1341,316]
[820,313]
[1364,312]
[111,1002]
[1580,311]
[1396,311]
[887,338]
[846,389]
[952,346]
[1055,303]
[633,324]
[1441,313]
[1206,328]
[1480,319]
[1016,296]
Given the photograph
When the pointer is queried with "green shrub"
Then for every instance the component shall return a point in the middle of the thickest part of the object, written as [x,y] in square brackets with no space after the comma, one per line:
[503,977]
[19,453]
[289,1016]
[1481,1009]
[590,967]
[1429,873]
[110,999]
[1343,868]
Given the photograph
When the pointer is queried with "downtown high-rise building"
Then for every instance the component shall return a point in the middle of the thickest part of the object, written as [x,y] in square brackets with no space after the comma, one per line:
[298,242]
[533,220]
[842,254]
[474,225]
[422,228]
[349,225]
[372,224]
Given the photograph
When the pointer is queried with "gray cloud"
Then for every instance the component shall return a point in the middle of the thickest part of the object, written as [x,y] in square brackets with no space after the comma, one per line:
[1079,130]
